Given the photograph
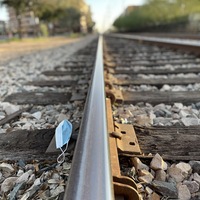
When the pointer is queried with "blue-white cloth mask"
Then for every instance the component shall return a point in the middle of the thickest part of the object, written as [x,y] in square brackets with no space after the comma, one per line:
[63,134]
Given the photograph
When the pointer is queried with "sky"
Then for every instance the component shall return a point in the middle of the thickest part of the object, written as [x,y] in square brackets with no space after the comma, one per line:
[3,14]
[104,11]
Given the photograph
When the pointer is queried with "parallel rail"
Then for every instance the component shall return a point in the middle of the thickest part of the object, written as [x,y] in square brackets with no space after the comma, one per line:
[182,44]
[90,176]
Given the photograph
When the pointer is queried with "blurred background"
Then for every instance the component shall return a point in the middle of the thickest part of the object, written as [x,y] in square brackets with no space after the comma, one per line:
[36,18]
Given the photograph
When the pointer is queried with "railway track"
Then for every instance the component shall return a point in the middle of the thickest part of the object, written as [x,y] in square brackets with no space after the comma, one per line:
[173,35]
[137,130]
[37,92]
[158,80]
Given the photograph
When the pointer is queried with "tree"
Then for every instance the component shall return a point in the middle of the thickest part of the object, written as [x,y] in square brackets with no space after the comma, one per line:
[51,11]
[70,19]
[157,12]
[19,7]
[90,23]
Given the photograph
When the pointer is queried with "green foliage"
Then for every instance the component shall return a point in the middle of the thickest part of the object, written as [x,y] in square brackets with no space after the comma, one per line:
[157,12]
[18,5]
[70,19]
[65,13]
[44,30]
[52,10]
[89,20]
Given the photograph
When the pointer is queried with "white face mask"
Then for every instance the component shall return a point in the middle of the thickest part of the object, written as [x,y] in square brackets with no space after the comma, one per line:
[63,134]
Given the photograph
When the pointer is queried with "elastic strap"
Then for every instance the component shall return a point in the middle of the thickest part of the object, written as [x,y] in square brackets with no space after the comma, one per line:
[61,157]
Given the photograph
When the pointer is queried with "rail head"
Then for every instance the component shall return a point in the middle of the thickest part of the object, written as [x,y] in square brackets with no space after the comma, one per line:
[90,175]
[172,41]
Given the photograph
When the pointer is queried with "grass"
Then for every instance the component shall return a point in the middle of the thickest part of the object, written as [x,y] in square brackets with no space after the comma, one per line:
[41,39]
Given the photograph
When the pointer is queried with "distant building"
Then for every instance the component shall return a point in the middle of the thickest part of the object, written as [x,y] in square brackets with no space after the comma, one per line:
[194,22]
[83,20]
[2,27]
[29,23]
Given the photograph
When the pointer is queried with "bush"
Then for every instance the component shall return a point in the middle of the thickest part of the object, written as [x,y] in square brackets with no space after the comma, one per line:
[157,13]
[44,30]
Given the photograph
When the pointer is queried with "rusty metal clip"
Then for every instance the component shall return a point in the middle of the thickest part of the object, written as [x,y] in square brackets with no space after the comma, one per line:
[126,187]
[114,95]
[108,84]
[123,186]
[128,144]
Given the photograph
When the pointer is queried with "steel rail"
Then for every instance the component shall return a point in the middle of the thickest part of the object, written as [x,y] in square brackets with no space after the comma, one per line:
[171,35]
[182,44]
[176,41]
[90,176]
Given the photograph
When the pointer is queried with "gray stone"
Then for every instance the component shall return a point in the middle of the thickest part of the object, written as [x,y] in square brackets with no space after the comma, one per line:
[160,106]
[158,163]
[30,167]
[175,173]
[184,113]
[1,177]
[8,184]
[132,172]
[6,169]
[175,116]
[57,191]
[197,105]
[143,172]
[37,115]
[138,164]
[154,196]
[168,114]
[2,117]
[146,178]
[152,117]
[178,88]
[190,121]
[10,108]
[193,106]
[61,117]
[51,120]
[143,120]
[31,191]
[13,193]
[31,179]
[162,120]
[24,177]
[195,166]
[160,175]
[165,188]
[2,114]
[165,88]
[195,112]
[176,122]
[2,131]
[54,181]
[193,186]
[196,178]
[56,176]
[185,168]
[183,193]
[20,172]
[159,113]
[45,194]
[148,190]
[37,182]
[178,105]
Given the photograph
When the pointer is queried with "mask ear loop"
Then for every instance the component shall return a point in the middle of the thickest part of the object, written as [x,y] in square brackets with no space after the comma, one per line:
[61,157]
